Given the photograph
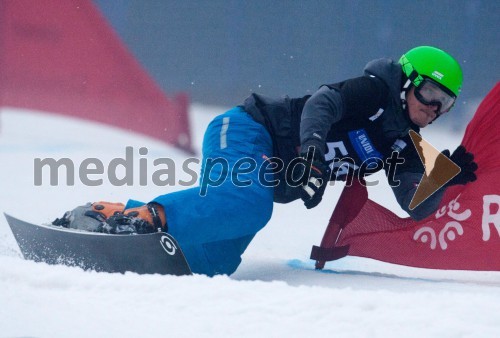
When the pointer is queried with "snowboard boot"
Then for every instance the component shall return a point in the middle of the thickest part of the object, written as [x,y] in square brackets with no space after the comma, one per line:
[108,209]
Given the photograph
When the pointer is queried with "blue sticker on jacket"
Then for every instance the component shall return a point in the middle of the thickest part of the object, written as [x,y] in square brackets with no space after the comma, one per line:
[364,146]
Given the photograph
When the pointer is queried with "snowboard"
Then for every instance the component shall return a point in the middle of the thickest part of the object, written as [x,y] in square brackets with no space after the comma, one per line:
[155,253]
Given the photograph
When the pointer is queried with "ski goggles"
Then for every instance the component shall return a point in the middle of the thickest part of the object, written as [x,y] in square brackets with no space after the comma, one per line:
[431,93]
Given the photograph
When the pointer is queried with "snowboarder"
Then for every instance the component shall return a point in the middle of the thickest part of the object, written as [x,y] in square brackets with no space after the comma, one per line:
[301,143]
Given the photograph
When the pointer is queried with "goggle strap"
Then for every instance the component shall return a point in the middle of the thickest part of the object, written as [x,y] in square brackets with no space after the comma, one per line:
[402,95]
[407,84]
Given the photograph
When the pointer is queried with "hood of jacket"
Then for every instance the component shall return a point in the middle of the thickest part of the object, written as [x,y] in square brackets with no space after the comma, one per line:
[390,72]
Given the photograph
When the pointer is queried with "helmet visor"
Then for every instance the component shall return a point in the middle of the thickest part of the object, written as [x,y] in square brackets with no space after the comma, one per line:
[432,94]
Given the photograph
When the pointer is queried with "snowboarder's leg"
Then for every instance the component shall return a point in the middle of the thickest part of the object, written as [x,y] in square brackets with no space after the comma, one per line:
[214,227]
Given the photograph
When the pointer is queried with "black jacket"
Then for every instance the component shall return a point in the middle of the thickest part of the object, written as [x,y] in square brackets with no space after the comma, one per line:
[349,123]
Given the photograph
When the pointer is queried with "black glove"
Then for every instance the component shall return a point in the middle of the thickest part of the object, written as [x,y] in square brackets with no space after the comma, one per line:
[465,161]
[313,174]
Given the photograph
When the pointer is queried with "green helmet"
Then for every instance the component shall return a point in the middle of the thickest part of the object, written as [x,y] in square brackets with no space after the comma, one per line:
[435,64]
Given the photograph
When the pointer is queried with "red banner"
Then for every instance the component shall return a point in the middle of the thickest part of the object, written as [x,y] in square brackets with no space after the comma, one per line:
[463,234]
[63,57]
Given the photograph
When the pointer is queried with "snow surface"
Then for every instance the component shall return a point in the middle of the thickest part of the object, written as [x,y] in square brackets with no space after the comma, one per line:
[275,293]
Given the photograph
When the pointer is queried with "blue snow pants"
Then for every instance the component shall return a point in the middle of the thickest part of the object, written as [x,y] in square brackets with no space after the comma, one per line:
[214,228]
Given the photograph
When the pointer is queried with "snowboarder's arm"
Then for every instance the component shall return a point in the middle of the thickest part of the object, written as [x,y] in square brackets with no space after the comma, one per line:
[359,97]
[405,180]
[404,192]
[411,174]
[323,109]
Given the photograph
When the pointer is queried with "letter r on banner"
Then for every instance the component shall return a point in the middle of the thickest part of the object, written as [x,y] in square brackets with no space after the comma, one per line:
[488,217]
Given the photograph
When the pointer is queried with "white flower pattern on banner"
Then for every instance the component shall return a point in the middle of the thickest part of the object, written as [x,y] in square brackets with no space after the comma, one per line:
[423,234]
[450,231]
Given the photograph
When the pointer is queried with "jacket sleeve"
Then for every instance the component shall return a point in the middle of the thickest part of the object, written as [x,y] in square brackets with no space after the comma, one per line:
[323,109]
[359,97]
[408,183]
[408,176]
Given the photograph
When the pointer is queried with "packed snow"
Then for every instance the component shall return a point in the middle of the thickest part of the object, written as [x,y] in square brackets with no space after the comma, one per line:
[275,292]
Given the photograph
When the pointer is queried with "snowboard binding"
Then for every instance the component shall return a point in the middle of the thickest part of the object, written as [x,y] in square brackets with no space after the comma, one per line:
[86,218]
